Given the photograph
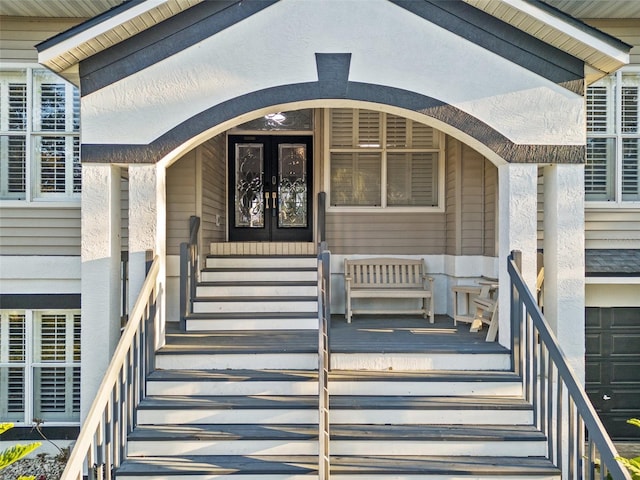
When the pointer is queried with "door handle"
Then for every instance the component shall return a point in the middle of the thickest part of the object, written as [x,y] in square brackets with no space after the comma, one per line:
[266,200]
[274,195]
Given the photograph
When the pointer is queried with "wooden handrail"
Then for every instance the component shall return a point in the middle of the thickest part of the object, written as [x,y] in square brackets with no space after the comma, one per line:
[561,407]
[101,444]
[324,316]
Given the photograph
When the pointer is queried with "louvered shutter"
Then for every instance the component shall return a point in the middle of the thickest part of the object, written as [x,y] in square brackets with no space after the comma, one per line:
[630,170]
[412,179]
[630,121]
[52,154]
[13,108]
[12,366]
[599,173]
[355,179]
[56,378]
[599,169]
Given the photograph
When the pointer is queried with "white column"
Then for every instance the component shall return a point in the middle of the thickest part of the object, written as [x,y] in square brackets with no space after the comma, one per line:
[100,282]
[147,229]
[564,286]
[517,210]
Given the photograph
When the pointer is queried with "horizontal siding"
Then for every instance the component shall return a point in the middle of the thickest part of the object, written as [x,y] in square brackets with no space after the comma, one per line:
[627,30]
[472,198]
[613,228]
[490,208]
[40,231]
[19,35]
[386,233]
[181,201]
[452,156]
[213,190]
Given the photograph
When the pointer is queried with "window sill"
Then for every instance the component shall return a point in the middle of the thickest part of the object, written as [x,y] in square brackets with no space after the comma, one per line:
[595,206]
[41,203]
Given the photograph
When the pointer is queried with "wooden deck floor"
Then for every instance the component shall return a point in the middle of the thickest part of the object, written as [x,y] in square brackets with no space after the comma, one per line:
[406,334]
[366,334]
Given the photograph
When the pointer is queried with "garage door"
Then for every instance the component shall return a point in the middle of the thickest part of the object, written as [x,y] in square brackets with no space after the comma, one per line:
[613,367]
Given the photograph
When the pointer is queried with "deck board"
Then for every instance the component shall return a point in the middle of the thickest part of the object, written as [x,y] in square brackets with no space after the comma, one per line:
[366,334]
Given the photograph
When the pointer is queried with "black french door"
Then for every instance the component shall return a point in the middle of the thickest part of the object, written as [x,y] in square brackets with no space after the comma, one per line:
[270,188]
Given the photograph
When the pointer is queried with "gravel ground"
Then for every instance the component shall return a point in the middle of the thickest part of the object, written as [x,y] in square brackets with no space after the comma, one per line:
[46,467]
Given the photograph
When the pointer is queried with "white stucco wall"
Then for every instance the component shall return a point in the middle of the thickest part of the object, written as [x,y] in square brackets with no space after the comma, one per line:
[280,43]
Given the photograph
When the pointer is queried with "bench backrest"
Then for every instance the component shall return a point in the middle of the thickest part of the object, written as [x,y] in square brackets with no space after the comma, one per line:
[385,273]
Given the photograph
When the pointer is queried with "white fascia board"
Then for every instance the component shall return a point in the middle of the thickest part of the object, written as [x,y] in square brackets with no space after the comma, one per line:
[612,280]
[576,33]
[84,36]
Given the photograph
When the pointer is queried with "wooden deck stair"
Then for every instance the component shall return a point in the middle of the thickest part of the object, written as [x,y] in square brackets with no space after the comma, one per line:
[235,396]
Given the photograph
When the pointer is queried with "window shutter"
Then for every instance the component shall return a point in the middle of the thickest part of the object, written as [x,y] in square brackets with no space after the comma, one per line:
[12,374]
[630,169]
[342,128]
[397,132]
[355,179]
[56,378]
[17,106]
[412,179]
[598,174]
[52,106]
[629,109]
[597,106]
[52,164]
[369,129]
[423,136]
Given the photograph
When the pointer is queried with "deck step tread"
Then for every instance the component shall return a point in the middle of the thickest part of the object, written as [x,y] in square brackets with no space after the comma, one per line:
[423,376]
[389,402]
[271,402]
[256,283]
[232,341]
[259,269]
[262,464]
[252,315]
[233,375]
[261,299]
[385,433]
[230,432]
[336,402]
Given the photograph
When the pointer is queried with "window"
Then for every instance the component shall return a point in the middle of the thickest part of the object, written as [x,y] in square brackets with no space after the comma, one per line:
[382,161]
[39,136]
[40,366]
[613,136]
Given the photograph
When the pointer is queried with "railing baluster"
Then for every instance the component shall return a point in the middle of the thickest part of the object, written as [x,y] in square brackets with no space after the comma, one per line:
[563,424]
[102,444]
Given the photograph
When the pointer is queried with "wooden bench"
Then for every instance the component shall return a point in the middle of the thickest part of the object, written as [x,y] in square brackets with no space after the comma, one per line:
[388,278]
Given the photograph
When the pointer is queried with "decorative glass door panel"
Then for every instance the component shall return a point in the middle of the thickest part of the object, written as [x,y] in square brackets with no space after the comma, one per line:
[249,187]
[270,188]
[292,187]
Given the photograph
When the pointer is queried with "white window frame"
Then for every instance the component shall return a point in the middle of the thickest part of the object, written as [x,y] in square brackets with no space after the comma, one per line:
[33,192]
[32,344]
[383,208]
[614,113]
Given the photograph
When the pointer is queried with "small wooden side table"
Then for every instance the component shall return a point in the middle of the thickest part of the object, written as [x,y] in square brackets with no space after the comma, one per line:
[466,292]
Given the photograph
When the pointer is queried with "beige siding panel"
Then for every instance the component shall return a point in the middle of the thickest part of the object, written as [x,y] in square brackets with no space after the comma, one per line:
[386,233]
[627,30]
[40,231]
[472,208]
[453,147]
[19,35]
[490,208]
[181,200]
[213,190]
[613,228]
